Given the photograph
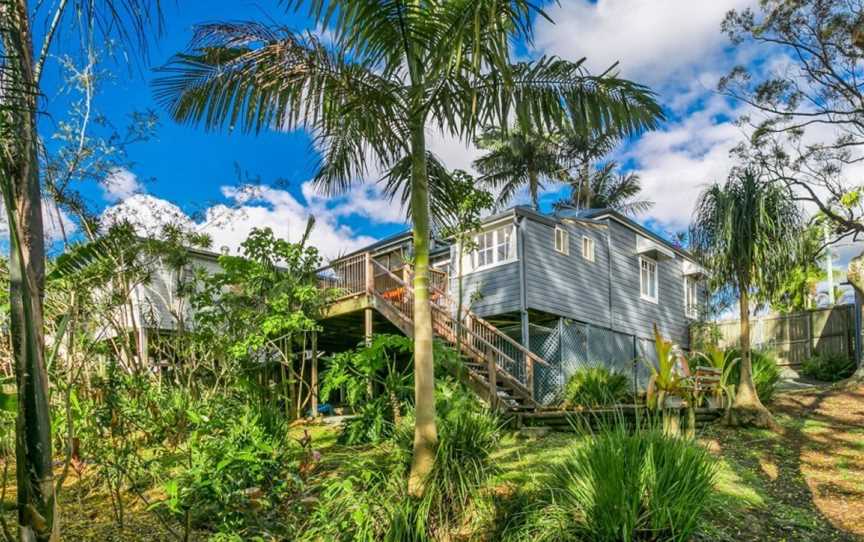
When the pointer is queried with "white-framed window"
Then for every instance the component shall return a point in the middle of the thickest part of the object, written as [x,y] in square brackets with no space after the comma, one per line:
[588,248]
[562,240]
[648,279]
[691,297]
[493,247]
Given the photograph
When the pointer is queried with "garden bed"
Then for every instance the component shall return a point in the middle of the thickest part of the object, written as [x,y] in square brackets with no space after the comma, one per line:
[802,485]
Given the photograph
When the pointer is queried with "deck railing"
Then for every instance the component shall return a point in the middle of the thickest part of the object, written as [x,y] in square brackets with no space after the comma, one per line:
[348,275]
[362,274]
[474,333]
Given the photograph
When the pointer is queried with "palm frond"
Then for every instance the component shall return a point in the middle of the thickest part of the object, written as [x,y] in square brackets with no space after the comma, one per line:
[550,93]
[747,233]
[397,187]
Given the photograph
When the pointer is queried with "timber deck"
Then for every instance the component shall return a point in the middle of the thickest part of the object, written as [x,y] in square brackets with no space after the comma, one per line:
[496,366]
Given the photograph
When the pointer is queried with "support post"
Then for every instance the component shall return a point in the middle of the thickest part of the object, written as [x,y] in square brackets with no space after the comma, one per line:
[370,274]
[367,326]
[526,342]
[493,378]
[367,337]
[313,378]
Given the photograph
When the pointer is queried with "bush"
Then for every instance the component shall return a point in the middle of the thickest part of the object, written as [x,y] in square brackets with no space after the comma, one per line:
[829,367]
[596,387]
[624,486]
[233,470]
[367,500]
[766,373]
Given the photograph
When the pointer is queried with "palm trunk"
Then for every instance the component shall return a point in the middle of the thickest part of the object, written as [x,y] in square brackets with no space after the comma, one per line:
[425,431]
[23,201]
[747,409]
[459,303]
[533,187]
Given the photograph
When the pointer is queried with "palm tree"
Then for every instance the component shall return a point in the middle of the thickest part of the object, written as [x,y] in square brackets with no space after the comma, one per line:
[517,158]
[747,233]
[22,63]
[605,188]
[394,70]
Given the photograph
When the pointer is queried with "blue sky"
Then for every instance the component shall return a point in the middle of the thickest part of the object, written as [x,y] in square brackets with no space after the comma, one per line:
[187,174]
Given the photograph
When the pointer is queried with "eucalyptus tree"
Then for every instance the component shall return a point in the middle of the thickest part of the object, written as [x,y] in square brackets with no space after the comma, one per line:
[747,233]
[21,67]
[392,71]
[516,158]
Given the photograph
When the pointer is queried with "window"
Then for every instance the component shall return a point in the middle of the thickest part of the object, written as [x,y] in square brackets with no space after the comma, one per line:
[562,240]
[493,247]
[588,248]
[691,297]
[648,279]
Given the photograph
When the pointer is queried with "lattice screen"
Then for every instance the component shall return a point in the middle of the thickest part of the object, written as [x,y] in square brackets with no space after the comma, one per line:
[571,345]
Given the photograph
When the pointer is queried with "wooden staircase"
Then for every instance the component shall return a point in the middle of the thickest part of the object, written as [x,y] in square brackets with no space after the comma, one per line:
[495,365]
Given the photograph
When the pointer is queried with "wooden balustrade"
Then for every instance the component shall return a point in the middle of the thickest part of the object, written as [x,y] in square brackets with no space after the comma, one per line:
[362,274]
[349,275]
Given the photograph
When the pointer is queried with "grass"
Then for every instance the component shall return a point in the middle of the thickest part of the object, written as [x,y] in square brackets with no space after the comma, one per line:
[800,485]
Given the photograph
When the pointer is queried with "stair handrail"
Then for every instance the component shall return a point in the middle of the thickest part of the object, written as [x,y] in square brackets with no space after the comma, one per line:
[477,339]
[507,338]
[473,334]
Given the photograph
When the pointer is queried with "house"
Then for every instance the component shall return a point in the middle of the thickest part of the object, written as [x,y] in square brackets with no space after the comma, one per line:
[574,289]
[542,295]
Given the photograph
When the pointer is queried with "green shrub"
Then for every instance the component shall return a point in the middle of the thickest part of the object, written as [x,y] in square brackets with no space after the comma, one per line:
[367,500]
[829,367]
[596,387]
[623,486]
[766,373]
[232,471]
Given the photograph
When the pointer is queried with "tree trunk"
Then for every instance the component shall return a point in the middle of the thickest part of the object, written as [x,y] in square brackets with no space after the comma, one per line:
[459,303]
[534,188]
[425,431]
[747,409]
[855,276]
[23,200]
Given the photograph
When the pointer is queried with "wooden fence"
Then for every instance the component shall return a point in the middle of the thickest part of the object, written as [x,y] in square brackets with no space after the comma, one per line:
[797,336]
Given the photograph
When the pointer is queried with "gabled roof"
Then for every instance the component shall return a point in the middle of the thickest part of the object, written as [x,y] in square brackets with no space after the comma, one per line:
[588,215]
[600,214]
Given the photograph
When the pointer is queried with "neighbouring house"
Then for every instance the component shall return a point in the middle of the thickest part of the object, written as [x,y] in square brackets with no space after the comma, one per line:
[154,305]
[572,289]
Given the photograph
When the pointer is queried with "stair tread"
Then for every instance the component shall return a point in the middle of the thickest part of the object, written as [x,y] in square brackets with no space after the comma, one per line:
[508,388]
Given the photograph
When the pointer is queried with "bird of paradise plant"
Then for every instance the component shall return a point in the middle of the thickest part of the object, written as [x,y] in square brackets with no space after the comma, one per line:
[724,361]
[666,380]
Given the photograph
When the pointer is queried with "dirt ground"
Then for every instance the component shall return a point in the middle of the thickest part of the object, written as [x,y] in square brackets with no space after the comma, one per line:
[806,483]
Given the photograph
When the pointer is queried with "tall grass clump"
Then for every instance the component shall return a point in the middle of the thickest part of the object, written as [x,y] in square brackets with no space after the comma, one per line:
[367,499]
[596,386]
[829,367]
[622,485]
[766,373]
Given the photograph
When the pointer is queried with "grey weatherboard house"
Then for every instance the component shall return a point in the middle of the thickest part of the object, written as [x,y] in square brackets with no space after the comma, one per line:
[576,288]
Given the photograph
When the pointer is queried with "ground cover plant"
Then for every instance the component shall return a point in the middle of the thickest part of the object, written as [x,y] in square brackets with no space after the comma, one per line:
[623,483]
[596,386]
[829,367]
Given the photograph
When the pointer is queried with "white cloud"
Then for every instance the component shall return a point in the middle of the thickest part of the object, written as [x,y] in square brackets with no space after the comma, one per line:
[676,162]
[120,184]
[57,224]
[256,207]
[147,214]
[651,38]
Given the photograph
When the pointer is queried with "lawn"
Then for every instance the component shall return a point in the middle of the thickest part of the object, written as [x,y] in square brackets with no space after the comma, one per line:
[804,484]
